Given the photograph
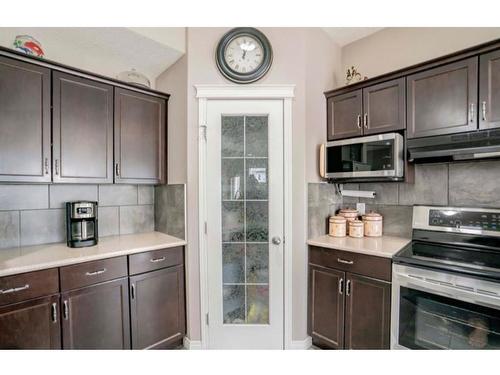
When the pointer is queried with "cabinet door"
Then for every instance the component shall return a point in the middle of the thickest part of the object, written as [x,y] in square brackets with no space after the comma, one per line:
[443,100]
[384,107]
[158,308]
[97,317]
[31,325]
[368,305]
[326,307]
[24,122]
[344,115]
[139,137]
[82,130]
[489,90]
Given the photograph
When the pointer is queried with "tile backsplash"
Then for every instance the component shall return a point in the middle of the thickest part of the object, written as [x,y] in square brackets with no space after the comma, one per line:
[170,209]
[35,214]
[462,184]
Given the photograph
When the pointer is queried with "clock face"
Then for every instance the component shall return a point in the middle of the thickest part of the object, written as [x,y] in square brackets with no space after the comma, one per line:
[244,55]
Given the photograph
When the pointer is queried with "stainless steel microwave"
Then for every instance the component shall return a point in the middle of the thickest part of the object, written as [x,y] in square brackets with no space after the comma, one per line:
[375,157]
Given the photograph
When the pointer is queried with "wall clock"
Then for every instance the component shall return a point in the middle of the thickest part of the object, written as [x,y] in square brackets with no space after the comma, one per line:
[244,55]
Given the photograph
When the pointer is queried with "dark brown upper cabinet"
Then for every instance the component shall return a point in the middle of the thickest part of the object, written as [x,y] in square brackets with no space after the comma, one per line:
[326,307]
[32,324]
[157,308]
[384,107]
[82,130]
[368,313]
[443,100]
[139,137]
[489,90]
[24,122]
[97,316]
[344,115]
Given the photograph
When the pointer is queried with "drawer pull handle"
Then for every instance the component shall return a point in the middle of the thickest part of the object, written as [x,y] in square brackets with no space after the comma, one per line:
[13,290]
[341,286]
[156,260]
[54,312]
[98,272]
[345,261]
[65,310]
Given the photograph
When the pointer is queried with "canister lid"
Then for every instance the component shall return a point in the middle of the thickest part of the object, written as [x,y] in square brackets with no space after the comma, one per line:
[348,211]
[337,219]
[372,216]
[356,223]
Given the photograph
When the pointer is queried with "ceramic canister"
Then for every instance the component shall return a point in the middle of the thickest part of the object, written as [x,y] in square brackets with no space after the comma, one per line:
[337,226]
[373,224]
[356,228]
[349,213]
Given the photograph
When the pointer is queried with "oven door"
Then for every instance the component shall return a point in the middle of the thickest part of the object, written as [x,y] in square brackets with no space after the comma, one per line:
[439,310]
[373,156]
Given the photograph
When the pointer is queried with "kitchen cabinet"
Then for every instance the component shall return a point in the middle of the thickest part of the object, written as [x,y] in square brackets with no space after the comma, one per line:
[25,131]
[97,316]
[374,109]
[489,90]
[326,301]
[158,308]
[344,115]
[32,324]
[368,305]
[139,137]
[384,107]
[443,100]
[82,130]
[349,300]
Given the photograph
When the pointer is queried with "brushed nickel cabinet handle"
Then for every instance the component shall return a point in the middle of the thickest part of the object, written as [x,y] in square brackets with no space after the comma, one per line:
[484,110]
[341,286]
[54,312]
[471,112]
[156,260]
[46,165]
[65,310]
[14,290]
[57,166]
[359,121]
[348,288]
[117,169]
[345,261]
[132,291]
[365,121]
[98,272]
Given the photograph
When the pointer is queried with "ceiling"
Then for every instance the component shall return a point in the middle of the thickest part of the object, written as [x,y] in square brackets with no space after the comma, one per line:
[107,50]
[345,35]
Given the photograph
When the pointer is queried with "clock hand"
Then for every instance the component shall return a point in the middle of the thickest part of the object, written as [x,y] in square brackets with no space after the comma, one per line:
[244,54]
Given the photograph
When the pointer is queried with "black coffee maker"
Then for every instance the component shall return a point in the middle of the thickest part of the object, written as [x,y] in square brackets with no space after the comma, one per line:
[81,224]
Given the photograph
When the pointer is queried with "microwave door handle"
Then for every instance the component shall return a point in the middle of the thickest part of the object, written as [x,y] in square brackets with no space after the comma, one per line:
[322,161]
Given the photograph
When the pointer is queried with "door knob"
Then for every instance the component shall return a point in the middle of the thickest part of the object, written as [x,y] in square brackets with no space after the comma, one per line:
[276,240]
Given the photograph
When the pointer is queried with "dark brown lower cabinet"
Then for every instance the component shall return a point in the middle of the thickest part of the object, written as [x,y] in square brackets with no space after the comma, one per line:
[33,324]
[348,310]
[157,308]
[97,316]
[368,304]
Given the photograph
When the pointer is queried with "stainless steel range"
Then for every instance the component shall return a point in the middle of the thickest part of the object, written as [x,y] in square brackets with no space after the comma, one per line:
[446,282]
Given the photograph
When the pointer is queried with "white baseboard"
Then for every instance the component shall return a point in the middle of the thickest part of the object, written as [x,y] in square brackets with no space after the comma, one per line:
[191,344]
[301,344]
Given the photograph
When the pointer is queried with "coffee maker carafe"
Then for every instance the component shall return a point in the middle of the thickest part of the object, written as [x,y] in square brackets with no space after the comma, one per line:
[81,224]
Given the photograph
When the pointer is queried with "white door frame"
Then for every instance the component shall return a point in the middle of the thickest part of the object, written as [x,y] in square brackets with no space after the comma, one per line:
[285,93]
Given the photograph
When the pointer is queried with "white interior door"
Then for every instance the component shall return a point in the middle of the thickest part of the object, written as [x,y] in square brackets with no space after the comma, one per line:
[244,191]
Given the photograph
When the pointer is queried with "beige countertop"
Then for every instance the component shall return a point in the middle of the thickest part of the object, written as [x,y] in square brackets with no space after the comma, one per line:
[385,246]
[34,258]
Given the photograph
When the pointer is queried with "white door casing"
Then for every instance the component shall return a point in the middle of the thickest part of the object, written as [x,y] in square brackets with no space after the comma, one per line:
[275,100]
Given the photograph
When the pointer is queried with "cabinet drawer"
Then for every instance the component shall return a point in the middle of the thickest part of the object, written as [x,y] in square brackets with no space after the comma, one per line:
[154,260]
[83,274]
[368,265]
[30,285]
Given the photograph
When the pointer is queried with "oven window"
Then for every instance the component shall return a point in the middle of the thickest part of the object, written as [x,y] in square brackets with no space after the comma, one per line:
[428,321]
[371,156]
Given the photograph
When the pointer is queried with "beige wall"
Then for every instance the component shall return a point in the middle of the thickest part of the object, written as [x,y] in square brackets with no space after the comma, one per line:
[395,48]
[296,61]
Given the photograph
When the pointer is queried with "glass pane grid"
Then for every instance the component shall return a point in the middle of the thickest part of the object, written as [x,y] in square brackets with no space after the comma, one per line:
[245,216]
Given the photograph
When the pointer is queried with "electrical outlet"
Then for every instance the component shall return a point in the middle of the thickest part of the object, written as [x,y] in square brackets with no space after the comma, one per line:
[361,207]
